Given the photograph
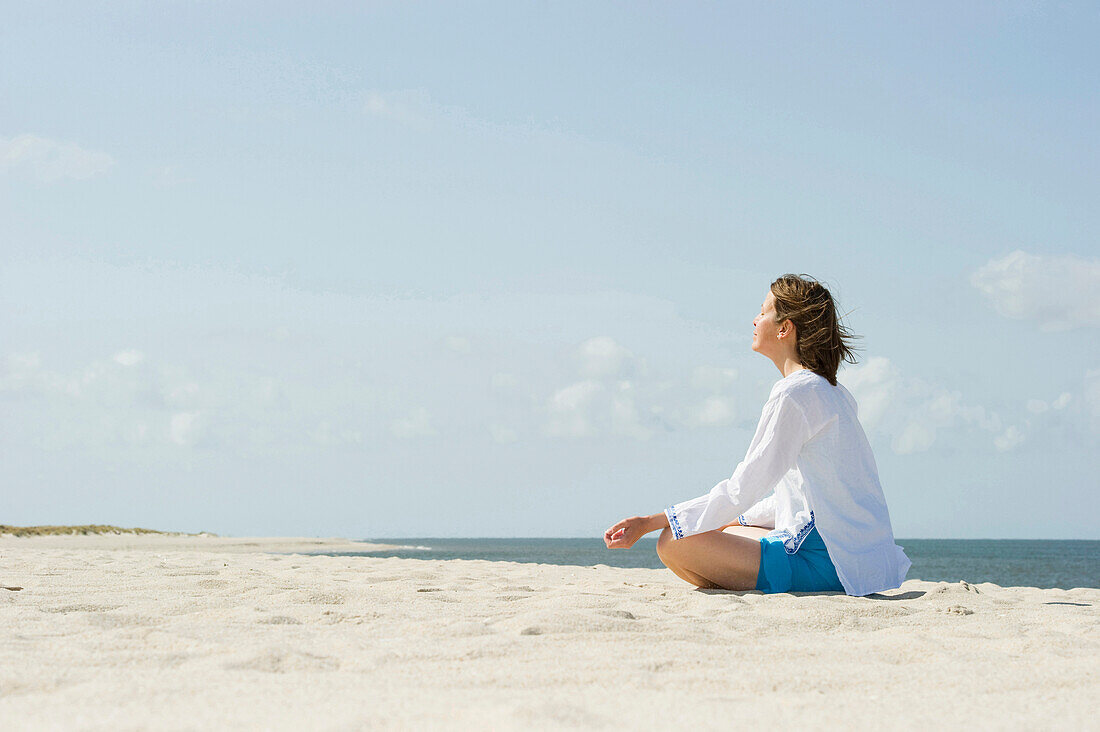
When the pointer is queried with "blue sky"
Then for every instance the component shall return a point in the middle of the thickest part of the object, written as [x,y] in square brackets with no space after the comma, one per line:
[490,269]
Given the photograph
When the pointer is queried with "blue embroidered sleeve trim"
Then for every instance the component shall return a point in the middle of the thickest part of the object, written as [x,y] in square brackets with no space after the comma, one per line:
[674,523]
[791,545]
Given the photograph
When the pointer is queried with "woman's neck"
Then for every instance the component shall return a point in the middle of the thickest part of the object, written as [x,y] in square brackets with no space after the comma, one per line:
[789,366]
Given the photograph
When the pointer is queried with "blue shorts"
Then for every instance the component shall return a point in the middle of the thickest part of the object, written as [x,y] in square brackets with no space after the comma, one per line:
[807,570]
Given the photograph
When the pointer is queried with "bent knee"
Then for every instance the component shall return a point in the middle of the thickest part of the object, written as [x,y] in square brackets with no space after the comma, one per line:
[664,542]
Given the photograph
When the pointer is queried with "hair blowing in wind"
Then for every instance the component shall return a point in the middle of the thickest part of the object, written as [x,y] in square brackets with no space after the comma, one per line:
[823,341]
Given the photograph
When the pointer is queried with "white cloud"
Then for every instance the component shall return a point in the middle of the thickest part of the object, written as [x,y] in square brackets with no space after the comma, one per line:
[604,402]
[185,428]
[1079,412]
[948,406]
[417,424]
[911,411]
[49,160]
[625,416]
[875,386]
[285,374]
[260,394]
[602,357]
[458,344]
[915,437]
[589,408]
[570,409]
[715,411]
[1058,292]
[1009,439]
[24,362]
[129,358]
[96,381]
[104,403]
[1037,406]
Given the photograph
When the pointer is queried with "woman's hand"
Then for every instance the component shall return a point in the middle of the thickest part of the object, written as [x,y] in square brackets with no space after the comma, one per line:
[623,534]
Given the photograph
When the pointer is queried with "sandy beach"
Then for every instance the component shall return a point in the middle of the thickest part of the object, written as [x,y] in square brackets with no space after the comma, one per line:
[177,632]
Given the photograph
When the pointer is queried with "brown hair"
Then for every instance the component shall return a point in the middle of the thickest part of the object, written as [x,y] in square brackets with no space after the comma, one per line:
[822,340]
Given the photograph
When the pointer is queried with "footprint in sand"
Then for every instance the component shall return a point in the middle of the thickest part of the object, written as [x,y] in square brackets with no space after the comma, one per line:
[325,598]
[625,614]
[277,661]
[114,620]
[280,620]
[373,579]
[81,608]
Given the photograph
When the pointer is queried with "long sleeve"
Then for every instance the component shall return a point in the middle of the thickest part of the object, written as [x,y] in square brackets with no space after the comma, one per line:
[762,513]
[779,438]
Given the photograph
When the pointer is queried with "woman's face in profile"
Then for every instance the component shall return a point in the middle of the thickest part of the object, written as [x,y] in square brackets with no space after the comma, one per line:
[764,330]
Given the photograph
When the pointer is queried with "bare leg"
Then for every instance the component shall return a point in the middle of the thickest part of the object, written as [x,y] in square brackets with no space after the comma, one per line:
[690,577]
[728,558]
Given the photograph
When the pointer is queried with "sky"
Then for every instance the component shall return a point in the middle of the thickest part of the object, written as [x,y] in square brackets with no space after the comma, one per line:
[477,269]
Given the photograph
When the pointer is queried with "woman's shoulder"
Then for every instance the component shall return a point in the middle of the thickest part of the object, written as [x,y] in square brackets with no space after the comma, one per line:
[812,391]
[803,381]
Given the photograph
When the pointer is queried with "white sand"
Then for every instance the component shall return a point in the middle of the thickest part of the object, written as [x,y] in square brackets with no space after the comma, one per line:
[112,632]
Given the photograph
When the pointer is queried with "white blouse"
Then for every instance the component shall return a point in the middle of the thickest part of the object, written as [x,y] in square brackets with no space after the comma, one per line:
[811,449]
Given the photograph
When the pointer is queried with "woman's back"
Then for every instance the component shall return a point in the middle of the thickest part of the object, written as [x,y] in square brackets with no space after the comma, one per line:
[837,484]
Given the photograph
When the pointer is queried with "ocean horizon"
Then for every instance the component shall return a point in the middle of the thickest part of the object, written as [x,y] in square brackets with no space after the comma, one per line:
[1042,563]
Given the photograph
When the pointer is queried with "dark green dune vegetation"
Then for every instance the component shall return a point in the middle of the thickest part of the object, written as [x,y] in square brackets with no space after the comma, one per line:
[88,529]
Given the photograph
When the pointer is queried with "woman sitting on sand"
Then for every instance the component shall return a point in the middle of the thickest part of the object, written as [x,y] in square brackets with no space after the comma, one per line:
[826,527]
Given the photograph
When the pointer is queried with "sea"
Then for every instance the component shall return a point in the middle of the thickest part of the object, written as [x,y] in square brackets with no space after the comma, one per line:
[1006,562]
